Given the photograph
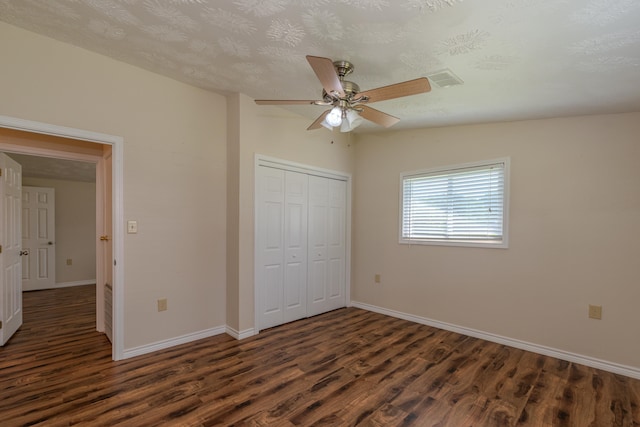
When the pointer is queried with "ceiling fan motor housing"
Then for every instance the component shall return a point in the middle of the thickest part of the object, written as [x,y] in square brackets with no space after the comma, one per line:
[350,90]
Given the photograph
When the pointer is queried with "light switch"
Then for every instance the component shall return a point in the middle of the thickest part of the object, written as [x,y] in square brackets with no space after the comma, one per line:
[132,227]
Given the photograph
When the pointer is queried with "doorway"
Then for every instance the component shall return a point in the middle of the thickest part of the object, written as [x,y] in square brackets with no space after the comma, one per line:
[106,151]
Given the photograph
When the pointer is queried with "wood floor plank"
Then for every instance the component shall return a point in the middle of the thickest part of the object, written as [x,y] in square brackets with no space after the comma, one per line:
[633,391]
[348,367]
[542,406]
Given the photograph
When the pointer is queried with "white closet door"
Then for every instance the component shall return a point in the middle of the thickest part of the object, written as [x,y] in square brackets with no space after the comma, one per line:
[326,272]
[295,240]
[282,243]
[270,246]
[336,232]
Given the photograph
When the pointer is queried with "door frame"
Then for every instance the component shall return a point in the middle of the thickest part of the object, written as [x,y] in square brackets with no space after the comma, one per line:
[117,144]
[286,165]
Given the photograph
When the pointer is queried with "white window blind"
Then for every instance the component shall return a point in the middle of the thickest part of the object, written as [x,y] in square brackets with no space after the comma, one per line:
[462,205]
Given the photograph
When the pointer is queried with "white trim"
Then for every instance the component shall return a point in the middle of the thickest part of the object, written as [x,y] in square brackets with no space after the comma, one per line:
[615,368]
[164,344]
[55,130]
[117,167]
[117,144]
[45,152]
[240,335]
[273,162]
[76,283]
[100,249]
[347,247]
[276,163]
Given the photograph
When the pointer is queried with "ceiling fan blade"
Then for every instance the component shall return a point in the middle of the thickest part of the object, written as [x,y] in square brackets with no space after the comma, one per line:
[411,87]
[317,124]
[284,102]
[326,72]
[377,116]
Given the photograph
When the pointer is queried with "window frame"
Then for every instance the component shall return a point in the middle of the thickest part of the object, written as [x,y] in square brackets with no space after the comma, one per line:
[498,244]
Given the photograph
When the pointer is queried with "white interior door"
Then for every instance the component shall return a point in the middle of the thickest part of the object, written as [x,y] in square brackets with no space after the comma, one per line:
[300,245]
[318,253]
[295,246]
[270,246]
[10,248]
[38,238]
[336,240]
[327,254]
[282,243]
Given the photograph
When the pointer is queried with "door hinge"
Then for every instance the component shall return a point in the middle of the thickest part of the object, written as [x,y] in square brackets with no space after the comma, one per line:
[0,249]
[0,171]
[0,324]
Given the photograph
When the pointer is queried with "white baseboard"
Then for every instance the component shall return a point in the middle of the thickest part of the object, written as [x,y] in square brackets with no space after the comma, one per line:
[615,368]
[62,285]
[161,345]
[240,335]
[76,283]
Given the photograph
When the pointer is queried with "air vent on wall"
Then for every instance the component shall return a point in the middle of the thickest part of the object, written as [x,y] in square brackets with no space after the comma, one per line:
[444,78]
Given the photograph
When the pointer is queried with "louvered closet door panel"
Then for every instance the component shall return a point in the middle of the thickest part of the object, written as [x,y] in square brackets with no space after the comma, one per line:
[270,245]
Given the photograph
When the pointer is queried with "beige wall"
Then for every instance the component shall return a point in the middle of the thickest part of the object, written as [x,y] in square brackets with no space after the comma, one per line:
[574,234]
[575,204]
[273,132]
[174,172]
[75,227]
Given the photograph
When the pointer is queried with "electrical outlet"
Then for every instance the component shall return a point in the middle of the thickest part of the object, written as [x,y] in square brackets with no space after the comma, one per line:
[595,312]
[377,278]
[162,304]
[69,261]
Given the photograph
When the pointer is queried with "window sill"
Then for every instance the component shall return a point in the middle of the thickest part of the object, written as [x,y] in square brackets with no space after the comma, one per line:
[460,243]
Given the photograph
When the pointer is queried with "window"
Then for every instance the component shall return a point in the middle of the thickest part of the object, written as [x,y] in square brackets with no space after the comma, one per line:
[464,205]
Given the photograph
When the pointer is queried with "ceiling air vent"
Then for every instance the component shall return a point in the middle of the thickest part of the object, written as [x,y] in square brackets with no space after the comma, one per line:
[445,78]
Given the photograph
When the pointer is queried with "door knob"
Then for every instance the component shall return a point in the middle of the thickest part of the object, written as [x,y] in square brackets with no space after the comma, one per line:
[26,252]
[105,238]
[49,243]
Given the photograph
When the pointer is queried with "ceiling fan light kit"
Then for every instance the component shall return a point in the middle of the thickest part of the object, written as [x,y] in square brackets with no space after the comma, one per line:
[348,103]
[351,121]
[334,118]
[348,120]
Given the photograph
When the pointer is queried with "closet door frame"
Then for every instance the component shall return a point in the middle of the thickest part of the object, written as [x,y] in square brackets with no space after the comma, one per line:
[286,165]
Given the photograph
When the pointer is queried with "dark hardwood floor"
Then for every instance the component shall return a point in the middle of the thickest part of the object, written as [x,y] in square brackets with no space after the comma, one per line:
[347,367]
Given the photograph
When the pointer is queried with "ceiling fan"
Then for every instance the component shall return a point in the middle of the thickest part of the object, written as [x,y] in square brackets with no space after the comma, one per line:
[349,105]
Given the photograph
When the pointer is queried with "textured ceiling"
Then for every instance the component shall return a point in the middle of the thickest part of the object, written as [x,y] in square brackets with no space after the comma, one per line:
[518,59]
